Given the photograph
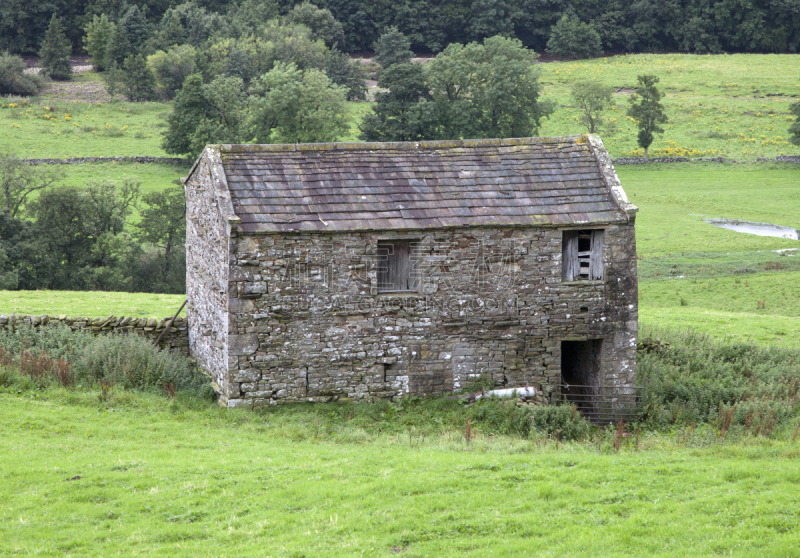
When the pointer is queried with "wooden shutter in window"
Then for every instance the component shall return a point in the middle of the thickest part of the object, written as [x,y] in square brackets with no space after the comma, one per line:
[397,266]
[596,260]
[582,255]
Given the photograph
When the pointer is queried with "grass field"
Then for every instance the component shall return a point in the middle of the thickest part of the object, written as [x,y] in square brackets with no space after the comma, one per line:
[90,304]
[192,480]
[735,106]
[153,177]
[723,105]
[693,274]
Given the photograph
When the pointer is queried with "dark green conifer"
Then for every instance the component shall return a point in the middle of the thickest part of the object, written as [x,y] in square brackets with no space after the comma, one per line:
[55,52]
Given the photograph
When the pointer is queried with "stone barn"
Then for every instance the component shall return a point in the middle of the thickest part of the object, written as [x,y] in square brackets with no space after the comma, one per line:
[373,270]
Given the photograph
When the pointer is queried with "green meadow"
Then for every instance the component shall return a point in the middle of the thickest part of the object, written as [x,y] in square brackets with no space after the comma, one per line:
[91,304]
[93,471]
[141,475]
[733,106]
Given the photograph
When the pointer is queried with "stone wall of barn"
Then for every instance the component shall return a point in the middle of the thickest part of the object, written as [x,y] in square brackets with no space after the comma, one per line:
[207,275]
[308,324]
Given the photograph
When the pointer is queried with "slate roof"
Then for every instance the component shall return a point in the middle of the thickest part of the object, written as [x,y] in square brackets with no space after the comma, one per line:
[425,185]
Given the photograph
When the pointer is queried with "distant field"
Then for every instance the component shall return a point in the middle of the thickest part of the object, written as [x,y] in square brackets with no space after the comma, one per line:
[90,304]
[734,106]
[152,176]
[723,105]
[43,128]
[693,274]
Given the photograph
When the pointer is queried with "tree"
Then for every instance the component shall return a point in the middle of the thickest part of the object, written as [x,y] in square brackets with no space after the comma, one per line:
[163,223]
[502,88]
[227,106]
[55,52]
[118,47]
[134,25]
[488,90]
[188,23]
[593,99]
[113,80]
[171,68]
[245,19]
[293,106]
[394,115]
[98,34]
[343,70]
[189,111]
[492,17]
[572,37]
[321,22]
[140,84]
[794,129]
[19,180]
[647,111]
[392,48]
[14,80]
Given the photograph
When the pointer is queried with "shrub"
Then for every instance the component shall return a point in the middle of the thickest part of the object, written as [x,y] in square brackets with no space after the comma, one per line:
[563,421]
[56,341]
[572,37]
[172,67]
[393,48]
[14,80]
[131,361]
[502,417]
[140,83]
[695,379]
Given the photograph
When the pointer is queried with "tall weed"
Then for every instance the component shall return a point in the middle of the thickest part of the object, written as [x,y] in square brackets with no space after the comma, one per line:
[131,361]
[695,379]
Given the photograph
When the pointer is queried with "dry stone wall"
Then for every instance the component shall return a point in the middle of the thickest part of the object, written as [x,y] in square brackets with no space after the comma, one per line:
[175,339]
[307,322]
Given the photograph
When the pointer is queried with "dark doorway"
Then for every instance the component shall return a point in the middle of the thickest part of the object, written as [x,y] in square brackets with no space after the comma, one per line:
[580,374]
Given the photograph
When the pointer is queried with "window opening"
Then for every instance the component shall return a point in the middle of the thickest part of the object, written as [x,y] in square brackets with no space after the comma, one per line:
[582,256]
[398,266]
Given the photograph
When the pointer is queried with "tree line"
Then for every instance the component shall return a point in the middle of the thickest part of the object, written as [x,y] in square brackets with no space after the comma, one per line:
[611,25]
[61,237]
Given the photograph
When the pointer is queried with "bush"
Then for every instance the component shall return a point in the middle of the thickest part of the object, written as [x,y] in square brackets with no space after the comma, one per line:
[393,48]
[694,379]
[135,362]
[496,416]
[14,80]
[572,37]
[563,421]
[140,83]
[56,341]
[171,68]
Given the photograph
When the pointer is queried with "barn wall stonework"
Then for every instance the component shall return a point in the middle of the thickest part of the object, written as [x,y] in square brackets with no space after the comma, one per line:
[306,321]
[207,275]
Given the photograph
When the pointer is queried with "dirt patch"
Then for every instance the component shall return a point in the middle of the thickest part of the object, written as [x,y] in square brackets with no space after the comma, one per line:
[79,91]
[75,90]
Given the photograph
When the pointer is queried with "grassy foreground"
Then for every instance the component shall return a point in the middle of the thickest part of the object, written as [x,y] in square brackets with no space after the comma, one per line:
[193,480]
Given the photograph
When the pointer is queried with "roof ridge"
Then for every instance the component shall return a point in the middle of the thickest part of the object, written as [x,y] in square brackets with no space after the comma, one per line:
[395,145]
